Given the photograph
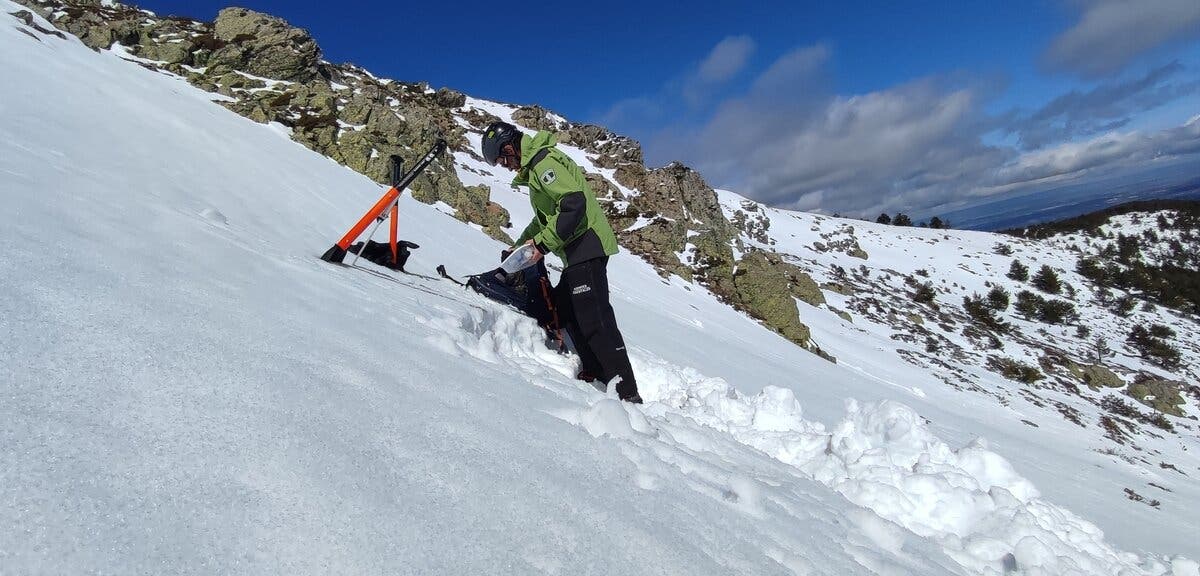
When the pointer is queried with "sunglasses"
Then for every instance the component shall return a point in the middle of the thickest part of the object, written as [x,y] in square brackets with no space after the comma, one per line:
[507,158]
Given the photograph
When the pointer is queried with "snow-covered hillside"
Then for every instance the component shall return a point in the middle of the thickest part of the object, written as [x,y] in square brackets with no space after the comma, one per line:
[870,273]
[187,388]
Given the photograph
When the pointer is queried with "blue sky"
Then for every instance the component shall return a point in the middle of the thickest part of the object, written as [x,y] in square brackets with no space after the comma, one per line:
[853,107]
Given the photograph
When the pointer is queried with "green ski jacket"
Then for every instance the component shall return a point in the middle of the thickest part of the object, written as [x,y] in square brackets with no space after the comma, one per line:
[567,219]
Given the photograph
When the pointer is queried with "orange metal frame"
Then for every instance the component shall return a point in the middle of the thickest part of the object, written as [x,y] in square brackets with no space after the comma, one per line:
[389,199]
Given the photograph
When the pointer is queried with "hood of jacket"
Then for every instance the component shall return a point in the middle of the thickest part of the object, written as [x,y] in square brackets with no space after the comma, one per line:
[530,146]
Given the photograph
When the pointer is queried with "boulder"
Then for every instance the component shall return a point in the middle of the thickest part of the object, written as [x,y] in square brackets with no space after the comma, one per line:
[1097,376]
[534,118]
[678,192]
[1159,394]
[764,291]
[584,135]
[263,45]
[447,98]
[658,243]
[170,40]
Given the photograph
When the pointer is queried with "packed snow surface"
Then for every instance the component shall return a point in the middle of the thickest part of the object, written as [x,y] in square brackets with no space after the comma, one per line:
[187,388]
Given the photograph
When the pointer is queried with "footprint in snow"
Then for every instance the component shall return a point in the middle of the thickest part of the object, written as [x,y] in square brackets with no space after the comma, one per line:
[214,216]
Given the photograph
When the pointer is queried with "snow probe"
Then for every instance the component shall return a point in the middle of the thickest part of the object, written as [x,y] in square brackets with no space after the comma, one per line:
[388,204]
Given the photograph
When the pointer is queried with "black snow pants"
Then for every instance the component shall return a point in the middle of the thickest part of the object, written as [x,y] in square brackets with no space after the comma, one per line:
[587,315]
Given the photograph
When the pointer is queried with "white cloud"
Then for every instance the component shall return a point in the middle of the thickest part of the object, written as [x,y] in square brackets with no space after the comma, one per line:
[690,90]
[788,140]
[795,66]
[726,59]
[1073,159]
[1104,108]
[1111,33]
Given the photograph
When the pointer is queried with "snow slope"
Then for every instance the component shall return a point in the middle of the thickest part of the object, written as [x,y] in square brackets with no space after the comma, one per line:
[188,389]
[1070,463]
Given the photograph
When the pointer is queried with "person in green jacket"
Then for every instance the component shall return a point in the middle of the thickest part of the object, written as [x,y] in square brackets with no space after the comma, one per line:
[568,221]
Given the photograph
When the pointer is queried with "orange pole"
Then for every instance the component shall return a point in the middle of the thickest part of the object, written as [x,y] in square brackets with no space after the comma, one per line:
[392,236]
[389,197]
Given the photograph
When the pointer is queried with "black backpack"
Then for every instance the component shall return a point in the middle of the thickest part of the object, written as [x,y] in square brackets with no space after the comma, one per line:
[381,253]
[529,291]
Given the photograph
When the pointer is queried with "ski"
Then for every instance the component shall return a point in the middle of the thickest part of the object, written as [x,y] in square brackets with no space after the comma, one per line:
[414,286]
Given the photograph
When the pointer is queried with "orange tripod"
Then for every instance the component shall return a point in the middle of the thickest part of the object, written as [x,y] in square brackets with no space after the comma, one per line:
[388,204]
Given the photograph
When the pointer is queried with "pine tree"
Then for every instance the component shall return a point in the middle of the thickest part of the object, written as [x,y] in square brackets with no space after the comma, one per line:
[1100,350]
[1018,271]
[924,293]
[1046,280]
[1028,304]
[1152,344]
[1056,311]
[997,299]
[883,219]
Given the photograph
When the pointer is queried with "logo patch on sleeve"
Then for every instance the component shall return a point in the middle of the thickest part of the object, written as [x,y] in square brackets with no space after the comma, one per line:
[548,177]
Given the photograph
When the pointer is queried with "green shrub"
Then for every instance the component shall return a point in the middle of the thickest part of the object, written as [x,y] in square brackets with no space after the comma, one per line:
[924,293]
[1124,305]
[1161,331]
[997,299]
[1018,271]
[1014,370]
[1091,269]
[1046,280]
[1028,304]
[983,315]
[1056,311]
[1152,345]
[1128,249]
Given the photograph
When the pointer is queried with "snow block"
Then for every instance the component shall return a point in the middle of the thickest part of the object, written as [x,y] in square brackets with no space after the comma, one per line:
[613,418]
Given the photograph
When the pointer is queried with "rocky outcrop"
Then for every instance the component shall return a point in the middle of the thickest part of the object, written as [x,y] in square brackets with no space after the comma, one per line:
[752,222]
[612,150]
[273,72]
[1097,376]
[678,192]
[262,45]
[689,236]
[447,98]
[767,288]
[536,118]
[686,214]
[843,240]
[1159,394]
[97,25]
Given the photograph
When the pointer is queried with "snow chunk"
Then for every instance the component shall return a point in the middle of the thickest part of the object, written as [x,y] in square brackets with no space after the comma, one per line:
[215,216]
[777,410]
[613,418]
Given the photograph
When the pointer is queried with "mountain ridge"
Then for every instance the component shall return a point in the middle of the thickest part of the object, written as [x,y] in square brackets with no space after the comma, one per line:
[813,245]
